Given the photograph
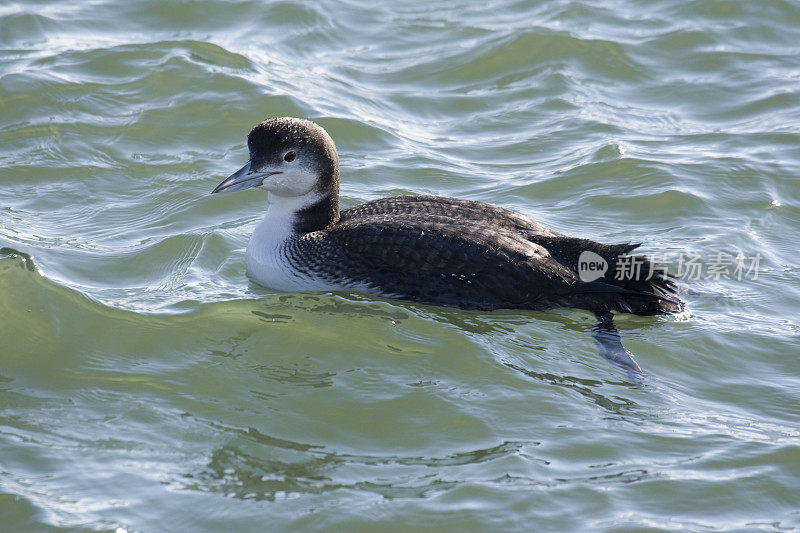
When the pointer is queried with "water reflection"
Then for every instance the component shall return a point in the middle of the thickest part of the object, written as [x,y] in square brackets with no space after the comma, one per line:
[22,259]
[262,467]
[617,405]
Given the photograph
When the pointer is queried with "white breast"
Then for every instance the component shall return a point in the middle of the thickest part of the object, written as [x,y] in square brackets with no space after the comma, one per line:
[266,259]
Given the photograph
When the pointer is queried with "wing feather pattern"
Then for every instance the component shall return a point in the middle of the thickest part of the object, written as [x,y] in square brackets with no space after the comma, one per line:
[448,251]
[415,247]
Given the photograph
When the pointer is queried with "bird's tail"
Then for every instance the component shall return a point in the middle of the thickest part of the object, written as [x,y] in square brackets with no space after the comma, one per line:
[610,279]
[631,284]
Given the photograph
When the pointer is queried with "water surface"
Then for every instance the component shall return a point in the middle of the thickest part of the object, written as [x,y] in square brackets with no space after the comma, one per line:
[146,385]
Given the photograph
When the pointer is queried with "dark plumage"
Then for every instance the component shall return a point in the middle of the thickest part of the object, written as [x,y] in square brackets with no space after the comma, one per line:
[475,255]
[439,250]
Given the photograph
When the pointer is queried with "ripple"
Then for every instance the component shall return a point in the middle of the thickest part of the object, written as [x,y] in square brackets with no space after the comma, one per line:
[144,379]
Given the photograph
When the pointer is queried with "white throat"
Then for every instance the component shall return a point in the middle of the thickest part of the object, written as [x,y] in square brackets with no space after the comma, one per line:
[266,258]
[278,223]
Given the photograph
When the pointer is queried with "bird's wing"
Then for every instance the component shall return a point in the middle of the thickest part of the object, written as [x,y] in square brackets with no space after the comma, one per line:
[429,258]
[453,210]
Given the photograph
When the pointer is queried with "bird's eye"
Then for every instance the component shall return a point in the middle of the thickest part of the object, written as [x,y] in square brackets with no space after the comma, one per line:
[289,156]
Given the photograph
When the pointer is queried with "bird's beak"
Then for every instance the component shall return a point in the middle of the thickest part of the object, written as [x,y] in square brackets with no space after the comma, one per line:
[244,178]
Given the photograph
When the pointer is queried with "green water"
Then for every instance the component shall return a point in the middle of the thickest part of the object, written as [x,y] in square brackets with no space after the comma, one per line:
[146,385]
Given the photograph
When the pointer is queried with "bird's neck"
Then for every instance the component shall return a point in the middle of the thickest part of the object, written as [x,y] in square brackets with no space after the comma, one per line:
[298,215]
[317,214]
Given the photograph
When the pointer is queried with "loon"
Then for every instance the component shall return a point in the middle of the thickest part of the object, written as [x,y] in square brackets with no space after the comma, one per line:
[431,249]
